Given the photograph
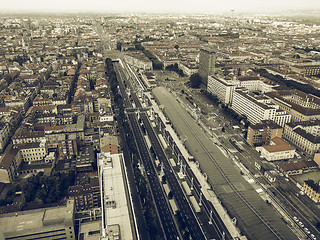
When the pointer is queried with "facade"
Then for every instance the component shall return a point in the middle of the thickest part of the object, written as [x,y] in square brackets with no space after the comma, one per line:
[138,60]
[249,82]
[312,190]
[282,117]
[33,152]
[23,136]
[305,135]
[9,164]
[277,150]
[307,70]
[301,106]
[296,168]
[44,223]
[4,135]
[262,133]
[223,89]
[207,61]
[86,196]
[253,108]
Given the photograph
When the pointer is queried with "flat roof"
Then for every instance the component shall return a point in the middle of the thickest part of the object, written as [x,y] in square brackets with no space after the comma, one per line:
[114,190]
[225,177]
[35,221]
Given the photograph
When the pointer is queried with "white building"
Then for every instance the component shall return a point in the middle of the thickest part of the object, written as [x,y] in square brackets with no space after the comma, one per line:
[221,88]
[33,152]
[277,150]
[282,117]
[116,218]
[253,108]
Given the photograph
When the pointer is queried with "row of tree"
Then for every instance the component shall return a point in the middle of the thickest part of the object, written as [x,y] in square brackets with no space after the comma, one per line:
[156,64]
[195,80]
[307,88]
[213,98]
[175,68]
[113,81]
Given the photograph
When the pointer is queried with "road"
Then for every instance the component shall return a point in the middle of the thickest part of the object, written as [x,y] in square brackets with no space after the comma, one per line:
[164,212]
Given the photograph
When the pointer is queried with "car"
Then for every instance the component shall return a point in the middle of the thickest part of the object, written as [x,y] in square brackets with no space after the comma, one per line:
[301,224]
[306,230]
[295,219]
[313,237]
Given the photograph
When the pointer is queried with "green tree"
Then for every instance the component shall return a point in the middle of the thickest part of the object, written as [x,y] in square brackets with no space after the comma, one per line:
[195,80]
[119,46]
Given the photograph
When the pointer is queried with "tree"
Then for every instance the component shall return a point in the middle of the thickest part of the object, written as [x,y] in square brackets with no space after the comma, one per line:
[195,80]
[176,46]
[119,46]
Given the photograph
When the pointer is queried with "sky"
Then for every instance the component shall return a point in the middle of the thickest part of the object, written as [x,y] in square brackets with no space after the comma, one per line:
[161,6]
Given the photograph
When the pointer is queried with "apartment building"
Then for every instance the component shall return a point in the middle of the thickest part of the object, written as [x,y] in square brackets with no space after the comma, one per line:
[33,152]
[9,164]
[253,107]
[24,136]
[301,106]
[86,196]
[312,190]
[138,60]
[4,135]
[221,88]
[307,70]
[262,133]
[305,135]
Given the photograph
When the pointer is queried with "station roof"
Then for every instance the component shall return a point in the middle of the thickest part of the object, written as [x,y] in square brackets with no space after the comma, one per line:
[254,216]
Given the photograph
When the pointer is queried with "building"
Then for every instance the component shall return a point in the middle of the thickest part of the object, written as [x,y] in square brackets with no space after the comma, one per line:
[282,117]
[301,106]
[307,70]
[44,223]
[312,190]
[9,164]
[276,150]
[138,60]
[296,168]
[262,133]
[305,135]
[207,61]
[255,107]
[86,196]
[115,212]
[33,152]
[221,88]
[24,136]
[4,135]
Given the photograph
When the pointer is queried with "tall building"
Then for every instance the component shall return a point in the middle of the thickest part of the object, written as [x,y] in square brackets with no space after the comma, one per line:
[207,62]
